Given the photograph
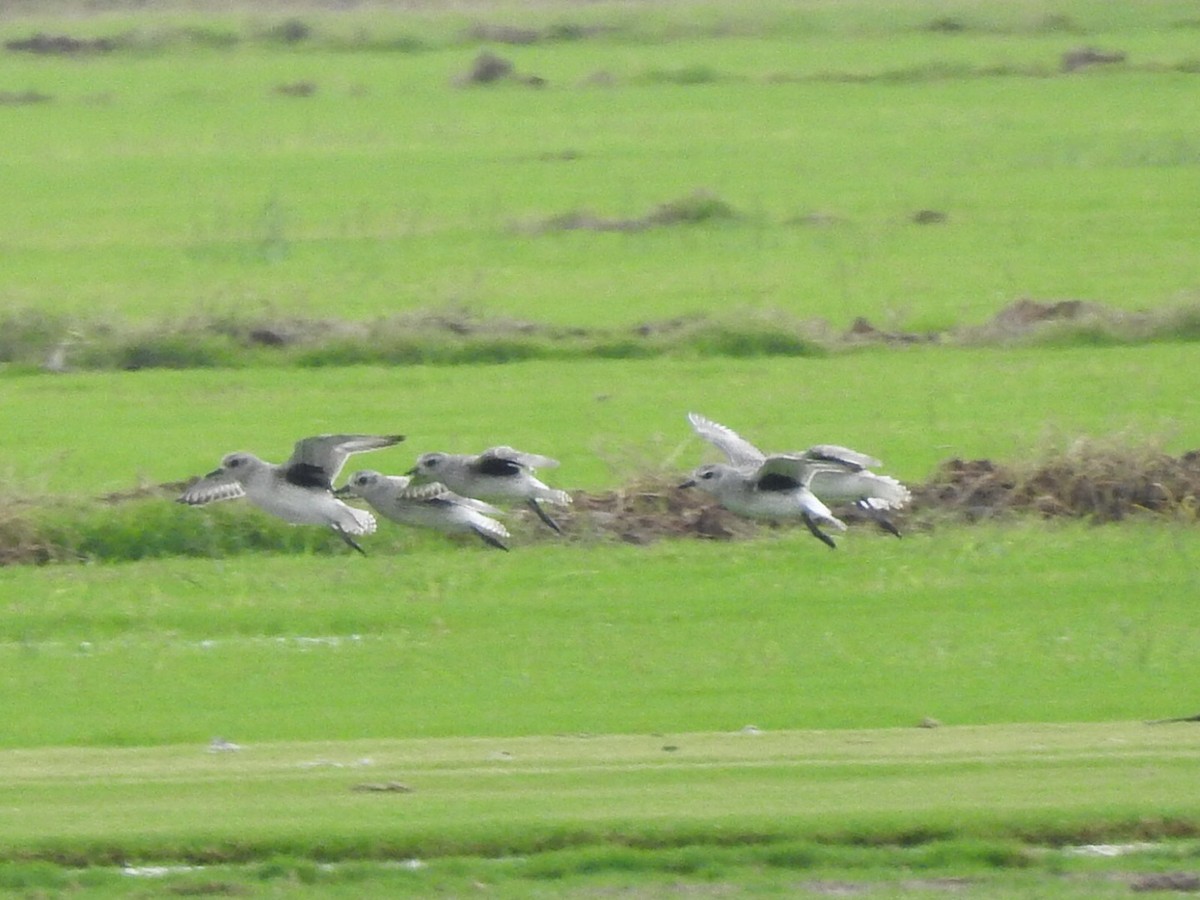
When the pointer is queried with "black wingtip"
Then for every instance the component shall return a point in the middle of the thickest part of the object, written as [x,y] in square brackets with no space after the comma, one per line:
[541,514]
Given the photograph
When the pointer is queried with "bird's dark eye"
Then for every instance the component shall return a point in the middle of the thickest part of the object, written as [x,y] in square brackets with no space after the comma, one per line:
[708,475]
[234,463]
[431,463]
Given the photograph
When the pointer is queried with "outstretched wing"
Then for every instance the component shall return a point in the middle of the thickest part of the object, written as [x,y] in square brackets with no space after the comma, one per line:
[844,456]
[787,471]
[436,491]
[498,455]
[316,461]
[739,450]
[218,485]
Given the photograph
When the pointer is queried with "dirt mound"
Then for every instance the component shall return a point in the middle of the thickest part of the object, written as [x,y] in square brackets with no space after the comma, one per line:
[488,68]
[653,509]
[1089,481]
[1104,484]
[1026,312]
[1086,57]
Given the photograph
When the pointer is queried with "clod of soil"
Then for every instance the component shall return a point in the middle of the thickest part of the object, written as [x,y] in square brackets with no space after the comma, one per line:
[296,89]
[1085,57]
[488,68]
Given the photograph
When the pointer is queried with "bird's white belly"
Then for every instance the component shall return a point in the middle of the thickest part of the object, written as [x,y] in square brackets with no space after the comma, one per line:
[765,504]
[295,505]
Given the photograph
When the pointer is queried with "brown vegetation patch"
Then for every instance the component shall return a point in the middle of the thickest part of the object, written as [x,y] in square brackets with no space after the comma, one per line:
[816,220]
[20,540]
[698,206]
[1027,317]
[524,35]
[861,330]
[488,68]
[23,98]
[289,31]
[1086,57]
[928,217]
[208,888]
[651,509]
[503,34]
[1166,881]
[946,25]
[458,336]
[601,78]
[296,89]
[1090,480]
[1094,481]
[1026,312]
[60,44]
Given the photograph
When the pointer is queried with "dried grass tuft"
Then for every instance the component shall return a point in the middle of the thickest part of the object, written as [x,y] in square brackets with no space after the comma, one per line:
[1098,480]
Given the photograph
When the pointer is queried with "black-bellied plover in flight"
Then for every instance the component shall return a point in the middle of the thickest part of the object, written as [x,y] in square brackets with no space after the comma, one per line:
[299,491]
[776,489]
[846,479]
[426,506]
[497,475]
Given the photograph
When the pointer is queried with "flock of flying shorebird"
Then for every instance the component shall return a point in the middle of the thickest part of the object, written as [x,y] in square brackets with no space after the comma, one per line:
[455,493]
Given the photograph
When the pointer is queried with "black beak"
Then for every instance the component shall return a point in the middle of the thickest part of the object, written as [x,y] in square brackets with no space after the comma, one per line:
[214,473]
[691,482]
[343,491]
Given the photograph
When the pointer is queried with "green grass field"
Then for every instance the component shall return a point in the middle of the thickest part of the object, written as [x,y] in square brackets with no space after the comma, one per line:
[571,718]
[196,189]
[974,626]
[606,421]
[605,706]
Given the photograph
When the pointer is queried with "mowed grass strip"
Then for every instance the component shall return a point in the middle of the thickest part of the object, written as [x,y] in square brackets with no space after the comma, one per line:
[990,624]
[396,799]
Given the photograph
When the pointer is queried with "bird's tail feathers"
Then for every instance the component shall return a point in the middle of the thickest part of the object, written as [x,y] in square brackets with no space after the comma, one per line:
[879,492]
[551,495]
[355,521]
[887,493]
